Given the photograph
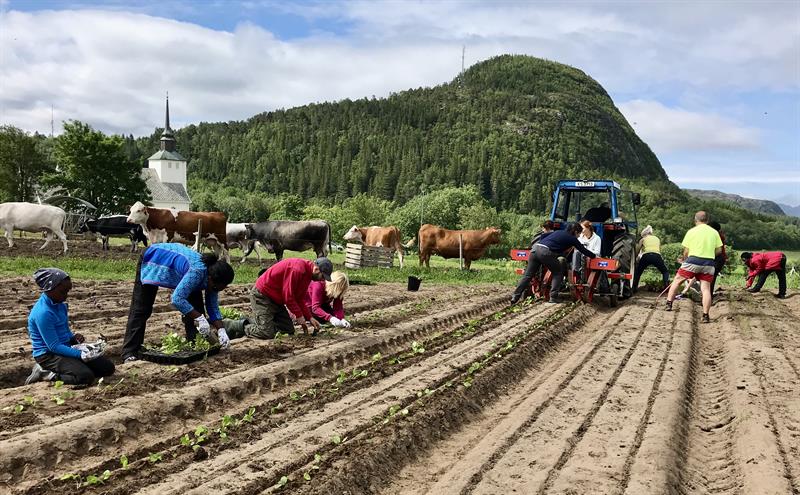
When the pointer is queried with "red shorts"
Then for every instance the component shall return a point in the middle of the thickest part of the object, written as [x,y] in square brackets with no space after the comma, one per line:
[702,277]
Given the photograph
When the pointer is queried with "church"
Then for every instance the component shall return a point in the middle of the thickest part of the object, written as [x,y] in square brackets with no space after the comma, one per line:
[165,174]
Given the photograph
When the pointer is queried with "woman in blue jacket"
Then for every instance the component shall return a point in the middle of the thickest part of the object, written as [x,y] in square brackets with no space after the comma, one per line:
[190,274]
[53,341]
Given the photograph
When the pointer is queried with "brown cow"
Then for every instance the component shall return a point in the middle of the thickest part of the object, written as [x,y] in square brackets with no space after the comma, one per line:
[388,237]
[162,225]
[436,240]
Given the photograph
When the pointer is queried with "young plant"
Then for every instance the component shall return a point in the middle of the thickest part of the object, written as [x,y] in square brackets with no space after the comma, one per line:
[97,480]
[281,483]
[248,418]
[154,457]
[123,461]
[417,348]
[338,440]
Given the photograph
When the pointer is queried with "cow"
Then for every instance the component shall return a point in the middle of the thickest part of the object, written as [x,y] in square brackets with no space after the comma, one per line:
[181,226]
[436,240]
[388,237]
[31,217]
[237,237]
[280,235]
[115,225]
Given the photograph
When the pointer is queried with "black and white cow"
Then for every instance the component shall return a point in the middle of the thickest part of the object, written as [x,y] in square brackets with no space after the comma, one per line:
[280,235]
[115,225]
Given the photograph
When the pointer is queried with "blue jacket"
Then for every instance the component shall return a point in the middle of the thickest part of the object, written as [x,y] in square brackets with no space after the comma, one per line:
[561,240]
[48,328]
[175,266]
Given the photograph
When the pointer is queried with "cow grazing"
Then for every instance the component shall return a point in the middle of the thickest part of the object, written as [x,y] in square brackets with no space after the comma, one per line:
[436,240]
[115,225]
[280,235]
[31,217]
[388,237]
[181,226]
[237,237]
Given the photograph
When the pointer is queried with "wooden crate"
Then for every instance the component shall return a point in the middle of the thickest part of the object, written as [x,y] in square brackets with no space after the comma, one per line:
[361,256]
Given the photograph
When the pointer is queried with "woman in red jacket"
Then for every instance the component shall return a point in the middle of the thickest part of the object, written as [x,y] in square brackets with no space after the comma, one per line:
[762,264]
[325,300]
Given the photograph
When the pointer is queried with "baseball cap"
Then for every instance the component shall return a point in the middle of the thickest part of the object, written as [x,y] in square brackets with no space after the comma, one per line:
[325,266]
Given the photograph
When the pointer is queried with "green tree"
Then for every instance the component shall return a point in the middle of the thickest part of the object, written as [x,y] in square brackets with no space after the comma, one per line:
[22,163]
[97,169]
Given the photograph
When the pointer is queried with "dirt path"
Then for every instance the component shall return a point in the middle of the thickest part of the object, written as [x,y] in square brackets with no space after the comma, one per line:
[431,392]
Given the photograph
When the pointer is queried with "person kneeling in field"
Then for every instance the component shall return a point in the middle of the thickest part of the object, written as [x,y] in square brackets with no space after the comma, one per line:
[701,245]
[189,273]
[761,265]
[281,286]
[60,354]
[325,300]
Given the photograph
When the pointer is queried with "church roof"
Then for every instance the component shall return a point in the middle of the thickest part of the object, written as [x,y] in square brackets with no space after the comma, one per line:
[164,191]
[167,155]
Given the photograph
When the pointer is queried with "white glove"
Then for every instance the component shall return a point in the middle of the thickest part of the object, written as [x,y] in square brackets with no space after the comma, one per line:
[224,341]
[202,325]
[90,354]
[335,321]
[345,323]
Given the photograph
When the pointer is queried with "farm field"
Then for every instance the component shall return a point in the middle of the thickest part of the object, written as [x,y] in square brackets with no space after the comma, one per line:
[446,390]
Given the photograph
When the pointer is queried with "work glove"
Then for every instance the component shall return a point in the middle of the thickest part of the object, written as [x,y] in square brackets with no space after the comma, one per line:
[335,322]
[202,325]
[345,323]
[224,341]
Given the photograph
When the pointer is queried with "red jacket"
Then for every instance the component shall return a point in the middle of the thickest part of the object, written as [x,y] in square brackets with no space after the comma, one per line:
[763,262]
[317,299]
[286,282]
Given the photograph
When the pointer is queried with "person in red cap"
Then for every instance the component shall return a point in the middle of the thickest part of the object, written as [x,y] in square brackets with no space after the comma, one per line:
[282,289]
[761,265]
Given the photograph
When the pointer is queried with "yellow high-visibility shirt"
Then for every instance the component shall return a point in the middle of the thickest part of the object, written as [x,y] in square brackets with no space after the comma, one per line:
[701,241]
[651,244]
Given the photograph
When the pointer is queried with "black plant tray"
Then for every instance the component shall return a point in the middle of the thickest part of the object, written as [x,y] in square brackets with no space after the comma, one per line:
[182,357]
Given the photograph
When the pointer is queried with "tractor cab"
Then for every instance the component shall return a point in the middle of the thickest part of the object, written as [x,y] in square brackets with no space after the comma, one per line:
[611,210]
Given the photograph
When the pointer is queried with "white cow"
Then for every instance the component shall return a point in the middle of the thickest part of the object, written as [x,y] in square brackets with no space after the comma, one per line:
[31,217]
[236,234]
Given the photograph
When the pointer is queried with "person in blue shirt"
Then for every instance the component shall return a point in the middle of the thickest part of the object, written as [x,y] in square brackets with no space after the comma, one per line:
[190,274]
[53,341]
[546,252]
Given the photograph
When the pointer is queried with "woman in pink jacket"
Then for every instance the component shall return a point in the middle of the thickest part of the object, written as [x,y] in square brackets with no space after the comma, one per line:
[325,300]
[761,265]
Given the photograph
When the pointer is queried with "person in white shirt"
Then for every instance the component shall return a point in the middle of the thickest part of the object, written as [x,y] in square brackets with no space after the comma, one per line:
[590,241]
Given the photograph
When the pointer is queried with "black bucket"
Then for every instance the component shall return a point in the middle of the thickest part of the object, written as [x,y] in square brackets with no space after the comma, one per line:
[413,283]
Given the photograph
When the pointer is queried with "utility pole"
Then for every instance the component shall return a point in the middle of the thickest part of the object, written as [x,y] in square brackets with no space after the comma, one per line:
[52,126]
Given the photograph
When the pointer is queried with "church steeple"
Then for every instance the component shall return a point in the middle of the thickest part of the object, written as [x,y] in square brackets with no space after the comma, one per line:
[168,142]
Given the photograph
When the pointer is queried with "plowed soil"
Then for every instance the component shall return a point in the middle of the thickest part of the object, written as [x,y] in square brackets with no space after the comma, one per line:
[446,390]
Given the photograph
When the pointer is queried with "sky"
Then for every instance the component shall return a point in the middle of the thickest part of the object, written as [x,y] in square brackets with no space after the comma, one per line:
[713,87]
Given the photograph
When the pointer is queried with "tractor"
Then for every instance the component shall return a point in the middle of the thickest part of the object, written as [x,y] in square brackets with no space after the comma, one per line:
[612,212]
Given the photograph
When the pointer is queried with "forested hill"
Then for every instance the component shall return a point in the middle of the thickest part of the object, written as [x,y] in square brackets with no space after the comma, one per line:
[511,126]
[756,205]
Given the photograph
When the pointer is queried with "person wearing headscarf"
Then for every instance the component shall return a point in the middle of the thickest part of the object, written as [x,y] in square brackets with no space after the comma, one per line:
[325,300]
[649,249]
[191,276]
[60,354]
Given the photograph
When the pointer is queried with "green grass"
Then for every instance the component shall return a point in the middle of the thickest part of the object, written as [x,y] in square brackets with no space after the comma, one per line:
[441,271]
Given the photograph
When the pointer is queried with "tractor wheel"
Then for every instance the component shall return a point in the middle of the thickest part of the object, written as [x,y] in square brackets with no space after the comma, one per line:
[624,251]
[613,297]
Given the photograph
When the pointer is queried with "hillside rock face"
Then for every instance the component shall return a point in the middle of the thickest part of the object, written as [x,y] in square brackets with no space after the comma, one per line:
[756,205]
[511,125]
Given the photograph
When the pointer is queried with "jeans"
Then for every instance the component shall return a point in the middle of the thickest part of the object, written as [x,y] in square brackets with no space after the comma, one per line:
[646,261]
[541,256]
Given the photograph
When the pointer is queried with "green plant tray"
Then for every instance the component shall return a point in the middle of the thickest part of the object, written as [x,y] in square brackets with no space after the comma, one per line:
[181,357]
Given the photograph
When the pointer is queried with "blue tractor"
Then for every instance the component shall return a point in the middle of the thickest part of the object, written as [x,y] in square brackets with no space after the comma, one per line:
[612,211]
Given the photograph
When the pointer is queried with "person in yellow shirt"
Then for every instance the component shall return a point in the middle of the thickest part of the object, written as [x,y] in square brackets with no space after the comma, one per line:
[701,245]
[649,249]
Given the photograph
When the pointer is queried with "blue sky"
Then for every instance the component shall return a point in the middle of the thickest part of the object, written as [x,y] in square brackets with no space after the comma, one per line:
[712,87]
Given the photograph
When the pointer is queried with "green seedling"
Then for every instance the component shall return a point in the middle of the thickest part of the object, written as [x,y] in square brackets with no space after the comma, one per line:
[154,457]
[425,392]
[278,339]
[341,377]
[172,369]
[467,383]
[29,400]
[281,483]
[377,357]
[77,478]
[474,367]
[357,373]
[58,384]
[18,408]
[306,476]
[338,440]
[296,396]
[394,410]
[395,360]
[97,480]
[417,348]
[276,408]
[123,461]
[312,392]
[186,441]
[248,418]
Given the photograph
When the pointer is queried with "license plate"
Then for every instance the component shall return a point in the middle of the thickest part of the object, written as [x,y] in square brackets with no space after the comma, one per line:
[584,184]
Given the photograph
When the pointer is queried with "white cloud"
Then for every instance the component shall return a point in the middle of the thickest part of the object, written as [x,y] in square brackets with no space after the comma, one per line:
[675,129]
